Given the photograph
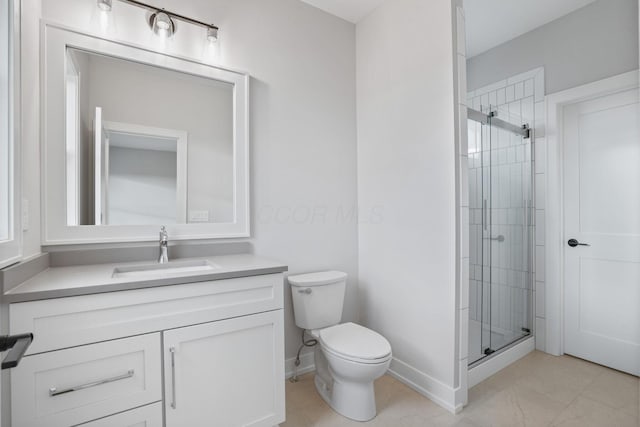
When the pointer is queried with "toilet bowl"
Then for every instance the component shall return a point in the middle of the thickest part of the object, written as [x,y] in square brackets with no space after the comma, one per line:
[348,357]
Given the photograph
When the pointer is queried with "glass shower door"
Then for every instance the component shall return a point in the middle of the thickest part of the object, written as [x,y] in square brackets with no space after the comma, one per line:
[501,209]
[479,244]
[508,234]
[486,247]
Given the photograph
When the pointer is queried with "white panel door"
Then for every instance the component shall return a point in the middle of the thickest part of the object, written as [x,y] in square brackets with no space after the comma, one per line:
[602,210]
[228,373]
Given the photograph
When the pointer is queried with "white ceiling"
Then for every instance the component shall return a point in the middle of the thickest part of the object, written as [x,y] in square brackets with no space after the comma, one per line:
[493,22]
[351,10]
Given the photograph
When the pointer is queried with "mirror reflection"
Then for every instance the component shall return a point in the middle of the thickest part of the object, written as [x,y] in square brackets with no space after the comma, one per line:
[146,145]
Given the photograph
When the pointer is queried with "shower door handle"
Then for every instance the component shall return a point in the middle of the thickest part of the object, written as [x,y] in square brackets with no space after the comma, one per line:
[573,243]
[484,214]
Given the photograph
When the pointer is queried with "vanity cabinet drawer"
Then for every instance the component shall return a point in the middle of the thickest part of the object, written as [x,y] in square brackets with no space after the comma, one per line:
[73,321]
[147,416]
[76,385]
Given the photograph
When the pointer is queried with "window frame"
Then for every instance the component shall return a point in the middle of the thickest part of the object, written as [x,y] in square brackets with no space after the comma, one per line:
[11,248]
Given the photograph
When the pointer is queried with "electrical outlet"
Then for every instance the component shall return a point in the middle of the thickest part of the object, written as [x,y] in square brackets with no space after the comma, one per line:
[198,216]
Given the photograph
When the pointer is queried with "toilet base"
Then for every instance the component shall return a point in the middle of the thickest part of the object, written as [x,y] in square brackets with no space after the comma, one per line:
[355,401]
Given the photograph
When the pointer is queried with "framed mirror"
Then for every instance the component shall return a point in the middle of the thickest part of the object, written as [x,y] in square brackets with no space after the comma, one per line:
[136,139]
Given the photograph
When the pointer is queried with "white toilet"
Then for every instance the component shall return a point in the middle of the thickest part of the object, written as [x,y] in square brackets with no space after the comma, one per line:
[348,357]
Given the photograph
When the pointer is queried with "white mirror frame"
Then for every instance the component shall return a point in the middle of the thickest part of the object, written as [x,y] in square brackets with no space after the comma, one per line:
[11,249]
[54,223]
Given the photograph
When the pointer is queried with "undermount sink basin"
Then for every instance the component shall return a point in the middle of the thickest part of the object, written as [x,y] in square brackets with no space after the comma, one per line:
[168,269]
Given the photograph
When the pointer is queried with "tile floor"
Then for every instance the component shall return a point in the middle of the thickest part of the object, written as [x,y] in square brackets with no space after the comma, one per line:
[538,390]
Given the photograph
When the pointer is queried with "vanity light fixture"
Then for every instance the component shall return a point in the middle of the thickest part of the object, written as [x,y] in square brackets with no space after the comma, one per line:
[161,20]
[212,35]
[104,5]
[162,24]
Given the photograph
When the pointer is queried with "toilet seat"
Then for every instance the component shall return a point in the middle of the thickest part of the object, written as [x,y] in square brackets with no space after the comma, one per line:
[355,343]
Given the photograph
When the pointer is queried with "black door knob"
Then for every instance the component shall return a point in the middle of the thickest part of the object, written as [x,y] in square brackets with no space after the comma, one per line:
[573,243]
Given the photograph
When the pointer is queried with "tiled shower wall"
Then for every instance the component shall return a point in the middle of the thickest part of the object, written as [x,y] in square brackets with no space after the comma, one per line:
[518,100]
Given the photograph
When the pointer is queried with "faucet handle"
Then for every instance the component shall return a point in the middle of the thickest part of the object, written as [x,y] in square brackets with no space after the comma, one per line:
[164,243]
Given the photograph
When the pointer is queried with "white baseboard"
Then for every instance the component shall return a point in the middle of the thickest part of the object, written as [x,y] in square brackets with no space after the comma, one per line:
[500,361]
[426,385]
[306,365]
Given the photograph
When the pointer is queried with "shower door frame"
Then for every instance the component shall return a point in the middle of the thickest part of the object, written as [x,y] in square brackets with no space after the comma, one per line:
[526,132]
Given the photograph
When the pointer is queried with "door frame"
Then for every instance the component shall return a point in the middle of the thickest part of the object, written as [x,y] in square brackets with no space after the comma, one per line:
[554,213]
[182,142]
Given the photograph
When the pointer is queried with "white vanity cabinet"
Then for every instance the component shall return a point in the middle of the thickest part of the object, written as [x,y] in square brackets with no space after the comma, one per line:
[198,354]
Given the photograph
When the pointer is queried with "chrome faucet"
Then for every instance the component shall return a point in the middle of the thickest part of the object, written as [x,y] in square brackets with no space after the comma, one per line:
[164,249]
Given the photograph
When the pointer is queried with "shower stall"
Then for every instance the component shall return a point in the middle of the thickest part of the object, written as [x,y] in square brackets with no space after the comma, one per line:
[501,231]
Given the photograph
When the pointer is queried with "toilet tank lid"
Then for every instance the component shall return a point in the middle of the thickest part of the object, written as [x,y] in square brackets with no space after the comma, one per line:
[317,279]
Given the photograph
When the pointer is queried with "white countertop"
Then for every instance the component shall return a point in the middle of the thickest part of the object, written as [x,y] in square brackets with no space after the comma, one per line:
[58,282]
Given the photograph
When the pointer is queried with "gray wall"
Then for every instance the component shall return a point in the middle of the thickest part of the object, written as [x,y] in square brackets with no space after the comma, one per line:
[85,146]
[407,188]
[592,43]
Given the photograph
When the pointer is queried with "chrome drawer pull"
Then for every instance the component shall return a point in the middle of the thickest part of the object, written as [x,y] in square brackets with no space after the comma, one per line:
[172,350]
[55,392]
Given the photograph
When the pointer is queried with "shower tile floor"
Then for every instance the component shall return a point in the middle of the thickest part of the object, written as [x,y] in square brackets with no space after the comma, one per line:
[538,390]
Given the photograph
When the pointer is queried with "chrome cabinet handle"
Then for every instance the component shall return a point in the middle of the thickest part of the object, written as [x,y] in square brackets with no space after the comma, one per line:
[305,291]
[172,350]
[53,391]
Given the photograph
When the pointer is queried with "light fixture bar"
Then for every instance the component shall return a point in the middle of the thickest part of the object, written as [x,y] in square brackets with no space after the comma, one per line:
[171,14]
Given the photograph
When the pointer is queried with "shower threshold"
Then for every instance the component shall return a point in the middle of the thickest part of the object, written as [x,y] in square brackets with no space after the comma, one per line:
[493,353]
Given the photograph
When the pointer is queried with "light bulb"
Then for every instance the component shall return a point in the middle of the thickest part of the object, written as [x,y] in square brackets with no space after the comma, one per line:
[162,24]
[104,5]
[212,34]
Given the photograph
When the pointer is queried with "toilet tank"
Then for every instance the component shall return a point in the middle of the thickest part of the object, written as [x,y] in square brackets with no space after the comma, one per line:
[318,298]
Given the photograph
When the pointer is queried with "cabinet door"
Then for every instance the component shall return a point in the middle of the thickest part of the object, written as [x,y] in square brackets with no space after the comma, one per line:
[226,374]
